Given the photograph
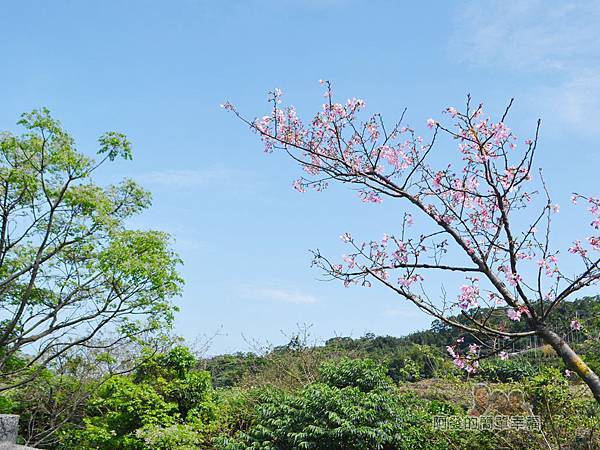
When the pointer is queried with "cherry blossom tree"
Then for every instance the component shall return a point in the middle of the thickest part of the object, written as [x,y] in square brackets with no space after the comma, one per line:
[485,219]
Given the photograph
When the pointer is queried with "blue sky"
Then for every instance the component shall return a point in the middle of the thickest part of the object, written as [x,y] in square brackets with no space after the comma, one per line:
[158,70]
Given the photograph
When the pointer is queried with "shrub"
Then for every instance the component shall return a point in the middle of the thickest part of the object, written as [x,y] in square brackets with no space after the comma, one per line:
[179,436]
[417,362]
[507,370]
[571,420]
[363,374]
[353,406]
[164,405]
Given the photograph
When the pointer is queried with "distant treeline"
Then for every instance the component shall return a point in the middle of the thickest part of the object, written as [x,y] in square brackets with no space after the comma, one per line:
[427,346]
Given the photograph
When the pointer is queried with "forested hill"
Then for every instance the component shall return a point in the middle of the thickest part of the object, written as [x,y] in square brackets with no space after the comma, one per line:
[427,345]
[586,310]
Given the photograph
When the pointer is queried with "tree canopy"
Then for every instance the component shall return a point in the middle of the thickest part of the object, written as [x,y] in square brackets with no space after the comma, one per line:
[71,271]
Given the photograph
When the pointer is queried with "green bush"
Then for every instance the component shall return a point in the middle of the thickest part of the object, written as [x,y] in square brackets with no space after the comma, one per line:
[417,362]
[6,405]
[508,370]
[571,420]
[230,370]
[363,374]
[118,410]
[164,405]
[353,406]
[179,436]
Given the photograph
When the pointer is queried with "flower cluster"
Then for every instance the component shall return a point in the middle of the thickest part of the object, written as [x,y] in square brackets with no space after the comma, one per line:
[379,258]
[469,295]
[549,265]
[468,361]
[515,314]
[586,250]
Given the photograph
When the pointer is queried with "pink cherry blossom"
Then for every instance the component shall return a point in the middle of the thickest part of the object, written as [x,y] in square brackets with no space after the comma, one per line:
[474,348]
[575,325]
[459,362]
[468,297]
[298,185]
[437,180]
[370,197]
[512,278]
[452,111]
[350,261]
[472,367]
[550,265]
[346,237]
[514,314]
[408,281]
[385,239]
[577,249]
[525,310]
[451,351]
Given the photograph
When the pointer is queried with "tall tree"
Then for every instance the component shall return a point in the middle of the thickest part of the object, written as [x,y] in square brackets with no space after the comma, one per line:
[486,218]
[70,269]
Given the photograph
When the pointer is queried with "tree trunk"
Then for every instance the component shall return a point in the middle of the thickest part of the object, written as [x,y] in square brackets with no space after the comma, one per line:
[572,360]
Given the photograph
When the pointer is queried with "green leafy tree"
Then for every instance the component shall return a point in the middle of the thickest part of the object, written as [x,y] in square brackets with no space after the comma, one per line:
[70,269]
[165,404]
[363,374]
[229,370]
[353,405]
[415,362]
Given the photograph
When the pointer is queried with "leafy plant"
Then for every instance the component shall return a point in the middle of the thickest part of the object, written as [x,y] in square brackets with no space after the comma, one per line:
[166,404]
[507,370]
[354,405]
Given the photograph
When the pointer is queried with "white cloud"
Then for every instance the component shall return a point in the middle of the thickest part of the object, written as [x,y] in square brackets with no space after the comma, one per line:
[554,42]
[187,178]
[528,35]
[576,100]
[281,295]
[407,313]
